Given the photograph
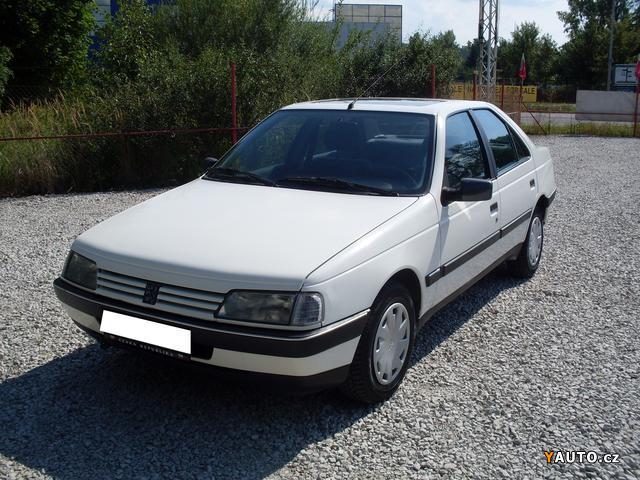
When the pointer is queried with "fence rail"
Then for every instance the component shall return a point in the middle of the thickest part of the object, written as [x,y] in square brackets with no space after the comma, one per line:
[140,133]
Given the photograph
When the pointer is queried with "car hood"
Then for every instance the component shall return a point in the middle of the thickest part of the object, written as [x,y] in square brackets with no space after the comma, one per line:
[219,236]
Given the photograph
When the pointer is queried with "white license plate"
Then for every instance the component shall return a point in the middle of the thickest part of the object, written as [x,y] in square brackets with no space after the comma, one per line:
[158,334]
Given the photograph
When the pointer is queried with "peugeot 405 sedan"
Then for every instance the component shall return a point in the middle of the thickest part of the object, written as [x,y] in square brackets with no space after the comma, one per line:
[312,252]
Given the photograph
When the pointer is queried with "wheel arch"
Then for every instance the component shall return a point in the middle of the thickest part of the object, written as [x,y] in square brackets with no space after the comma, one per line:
[410,280]
[542,204]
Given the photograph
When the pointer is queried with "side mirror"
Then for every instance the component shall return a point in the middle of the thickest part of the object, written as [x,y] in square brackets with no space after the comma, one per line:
[470,190]
[209,162]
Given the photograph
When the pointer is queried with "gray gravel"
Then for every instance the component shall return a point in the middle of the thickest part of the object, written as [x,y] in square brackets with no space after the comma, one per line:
[507,371]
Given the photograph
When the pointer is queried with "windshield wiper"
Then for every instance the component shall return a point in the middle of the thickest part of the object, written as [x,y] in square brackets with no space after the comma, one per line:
[336,183]
[224,173]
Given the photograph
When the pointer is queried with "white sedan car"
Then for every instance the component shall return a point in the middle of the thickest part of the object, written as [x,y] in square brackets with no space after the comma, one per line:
[316,248]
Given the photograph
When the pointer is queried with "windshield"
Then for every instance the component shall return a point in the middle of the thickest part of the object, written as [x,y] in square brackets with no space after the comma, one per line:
[348,151]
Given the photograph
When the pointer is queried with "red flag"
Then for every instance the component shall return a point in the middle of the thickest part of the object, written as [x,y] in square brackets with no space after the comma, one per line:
[522,73]
[638,69]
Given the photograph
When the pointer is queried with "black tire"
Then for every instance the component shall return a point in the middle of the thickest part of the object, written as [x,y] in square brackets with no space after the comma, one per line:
[523,266]
[362,384]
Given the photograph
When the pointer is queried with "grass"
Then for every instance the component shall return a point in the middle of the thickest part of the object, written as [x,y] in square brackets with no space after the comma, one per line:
[582,128]
[552,107]
[30,167]
[36,166]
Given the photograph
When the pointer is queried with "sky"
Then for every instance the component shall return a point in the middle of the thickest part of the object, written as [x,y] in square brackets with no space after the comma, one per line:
[461,16]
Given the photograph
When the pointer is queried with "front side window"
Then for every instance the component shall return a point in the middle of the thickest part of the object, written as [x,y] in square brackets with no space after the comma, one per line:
[363,152]
[504,152]
[463,157]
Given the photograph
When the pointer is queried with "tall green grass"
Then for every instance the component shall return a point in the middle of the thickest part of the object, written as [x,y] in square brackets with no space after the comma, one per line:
[98,163]
[42,165]
[582,128]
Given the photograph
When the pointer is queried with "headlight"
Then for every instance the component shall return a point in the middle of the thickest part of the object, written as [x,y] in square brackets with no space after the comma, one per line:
[303,309]
[80,270]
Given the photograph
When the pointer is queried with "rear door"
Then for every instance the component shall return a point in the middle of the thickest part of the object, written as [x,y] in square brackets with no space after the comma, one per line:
[516,178]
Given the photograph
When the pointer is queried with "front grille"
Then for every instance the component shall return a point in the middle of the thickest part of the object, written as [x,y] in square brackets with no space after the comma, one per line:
[172,299]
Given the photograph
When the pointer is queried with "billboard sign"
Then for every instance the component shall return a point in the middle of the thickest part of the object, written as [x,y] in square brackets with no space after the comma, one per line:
[464,91]
[624,74]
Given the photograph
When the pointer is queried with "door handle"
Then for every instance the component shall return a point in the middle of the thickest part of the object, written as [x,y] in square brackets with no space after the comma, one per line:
[532,183]
[494,207]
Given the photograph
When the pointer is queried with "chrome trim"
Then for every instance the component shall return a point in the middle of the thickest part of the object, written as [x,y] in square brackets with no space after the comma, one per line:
[273,326]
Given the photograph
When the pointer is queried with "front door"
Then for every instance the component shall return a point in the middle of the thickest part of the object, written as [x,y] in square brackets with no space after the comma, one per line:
[469,231]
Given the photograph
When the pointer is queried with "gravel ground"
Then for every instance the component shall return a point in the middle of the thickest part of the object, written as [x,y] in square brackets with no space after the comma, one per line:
[509,370]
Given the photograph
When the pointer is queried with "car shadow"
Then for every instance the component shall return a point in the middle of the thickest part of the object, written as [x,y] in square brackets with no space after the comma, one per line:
[112,414]
[449,319]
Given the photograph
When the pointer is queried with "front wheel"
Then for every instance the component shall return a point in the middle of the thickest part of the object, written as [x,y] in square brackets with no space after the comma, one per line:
[531,252]
[382,357]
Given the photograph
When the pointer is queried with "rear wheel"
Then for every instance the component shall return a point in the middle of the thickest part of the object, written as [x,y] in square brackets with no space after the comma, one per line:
[382,357]
[529,257]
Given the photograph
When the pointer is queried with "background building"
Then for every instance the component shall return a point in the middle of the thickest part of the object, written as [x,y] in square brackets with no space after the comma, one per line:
[379,19]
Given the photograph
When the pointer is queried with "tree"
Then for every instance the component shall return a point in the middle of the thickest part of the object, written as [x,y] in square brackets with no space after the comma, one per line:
[406,67]
[583,61]
[540,52]
[48,40]
[470,54]
[124,43]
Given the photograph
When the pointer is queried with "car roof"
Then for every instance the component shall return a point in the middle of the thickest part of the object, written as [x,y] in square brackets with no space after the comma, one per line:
[407,105]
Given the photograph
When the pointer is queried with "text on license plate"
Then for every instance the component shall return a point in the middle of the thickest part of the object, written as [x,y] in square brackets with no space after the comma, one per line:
[153,333]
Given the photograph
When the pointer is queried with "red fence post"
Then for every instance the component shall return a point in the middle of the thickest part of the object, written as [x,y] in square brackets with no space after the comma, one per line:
[234,119]
[433,80]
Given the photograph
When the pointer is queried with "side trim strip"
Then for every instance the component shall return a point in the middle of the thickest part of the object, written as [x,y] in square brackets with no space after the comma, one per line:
[429,313]
[508,228]
[449,267]
[479,247]
[434,276]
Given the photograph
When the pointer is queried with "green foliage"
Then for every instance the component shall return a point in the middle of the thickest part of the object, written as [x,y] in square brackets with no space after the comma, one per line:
[590,129]
[167,67]
[406,67]
[49,40]
[470,54]
[125,43]
[5,71]
[540,53]
[583,60]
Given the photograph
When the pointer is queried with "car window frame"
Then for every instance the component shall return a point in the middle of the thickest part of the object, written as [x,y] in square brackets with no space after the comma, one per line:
[482,140]
[515,135]
[428,174]
[501,171]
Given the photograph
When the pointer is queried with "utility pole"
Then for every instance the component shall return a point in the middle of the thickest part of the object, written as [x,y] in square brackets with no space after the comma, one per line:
[611,30]
[488,40]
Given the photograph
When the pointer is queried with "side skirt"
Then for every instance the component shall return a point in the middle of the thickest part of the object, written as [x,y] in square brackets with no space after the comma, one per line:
[433,310]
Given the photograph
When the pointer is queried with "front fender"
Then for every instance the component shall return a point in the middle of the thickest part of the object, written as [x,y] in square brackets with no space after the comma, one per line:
[351,280]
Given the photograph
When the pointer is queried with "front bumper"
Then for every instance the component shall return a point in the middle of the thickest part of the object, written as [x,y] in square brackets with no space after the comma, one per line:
[309,360]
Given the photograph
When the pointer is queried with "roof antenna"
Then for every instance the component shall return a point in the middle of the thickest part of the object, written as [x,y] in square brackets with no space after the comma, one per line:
[353,102]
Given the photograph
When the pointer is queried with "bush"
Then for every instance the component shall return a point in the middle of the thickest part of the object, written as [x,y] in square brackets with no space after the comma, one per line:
[170,69]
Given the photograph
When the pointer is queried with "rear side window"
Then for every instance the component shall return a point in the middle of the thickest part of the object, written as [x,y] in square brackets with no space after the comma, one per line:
[521,147]
[463,157]
[504,152]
